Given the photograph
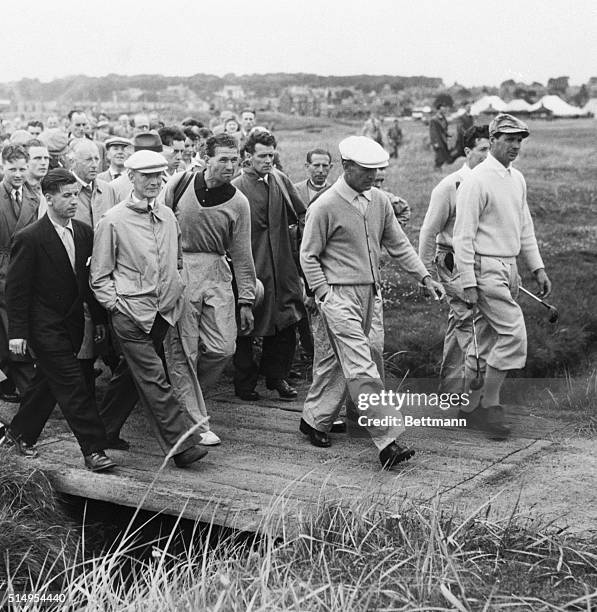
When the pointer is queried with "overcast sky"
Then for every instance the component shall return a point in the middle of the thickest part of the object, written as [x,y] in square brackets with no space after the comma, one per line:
[473,43]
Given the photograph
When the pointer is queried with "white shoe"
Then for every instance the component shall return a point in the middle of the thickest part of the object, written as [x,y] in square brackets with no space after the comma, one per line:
[209,438]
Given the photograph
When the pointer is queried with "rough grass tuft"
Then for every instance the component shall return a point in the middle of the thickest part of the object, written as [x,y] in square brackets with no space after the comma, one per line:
[37,539]
[352,557]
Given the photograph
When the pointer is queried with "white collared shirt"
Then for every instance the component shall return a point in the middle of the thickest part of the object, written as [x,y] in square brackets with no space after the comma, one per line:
[498,166]
[66,233]
[149,203]
[82,182]
[359,200]
[18,191]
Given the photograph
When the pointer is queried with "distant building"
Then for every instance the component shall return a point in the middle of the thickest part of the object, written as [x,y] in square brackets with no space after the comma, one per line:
[592,87]
[299,100]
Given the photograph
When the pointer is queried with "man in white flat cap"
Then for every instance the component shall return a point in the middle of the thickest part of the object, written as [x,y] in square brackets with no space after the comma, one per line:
[341,248]
[135,275]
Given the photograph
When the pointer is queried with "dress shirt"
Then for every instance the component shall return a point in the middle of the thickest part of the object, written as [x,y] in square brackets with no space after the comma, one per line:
[358,200]
[66,233]
[313,190]
[17,198]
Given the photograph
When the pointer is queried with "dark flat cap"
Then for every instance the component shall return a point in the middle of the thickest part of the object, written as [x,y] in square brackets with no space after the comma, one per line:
[148,141]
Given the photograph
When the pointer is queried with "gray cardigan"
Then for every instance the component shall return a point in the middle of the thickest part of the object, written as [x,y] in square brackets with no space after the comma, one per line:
[340,246]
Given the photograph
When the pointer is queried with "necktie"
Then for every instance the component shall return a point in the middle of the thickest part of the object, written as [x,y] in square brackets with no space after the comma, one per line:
[69,244]
[116,175]
[361,203]
[17,200]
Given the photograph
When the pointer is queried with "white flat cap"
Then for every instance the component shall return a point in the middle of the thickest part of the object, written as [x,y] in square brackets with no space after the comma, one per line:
[364,151]
[146,162]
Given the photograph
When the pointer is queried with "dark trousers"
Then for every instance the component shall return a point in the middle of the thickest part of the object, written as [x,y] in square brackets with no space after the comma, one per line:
[141,375]
[21,373]
[276,358]
[60,378]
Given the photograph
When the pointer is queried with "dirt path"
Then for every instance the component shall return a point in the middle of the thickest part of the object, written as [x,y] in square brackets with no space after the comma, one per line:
[263,458]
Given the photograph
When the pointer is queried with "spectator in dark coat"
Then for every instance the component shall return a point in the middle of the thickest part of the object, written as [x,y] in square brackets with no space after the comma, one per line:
[438,136]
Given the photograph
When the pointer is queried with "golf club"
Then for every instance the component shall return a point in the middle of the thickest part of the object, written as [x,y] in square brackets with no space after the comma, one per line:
[477,382]
[553,311]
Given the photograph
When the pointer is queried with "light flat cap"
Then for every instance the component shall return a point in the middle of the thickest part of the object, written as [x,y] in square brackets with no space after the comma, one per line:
[364,152]
[20,137]
[146,162]
[117,141]
[508,124]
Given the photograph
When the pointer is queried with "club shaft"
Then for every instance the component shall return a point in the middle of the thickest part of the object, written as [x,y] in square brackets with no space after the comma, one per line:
[538,299]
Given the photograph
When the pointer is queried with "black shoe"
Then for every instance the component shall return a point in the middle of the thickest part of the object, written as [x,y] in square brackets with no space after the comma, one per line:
[393,454]
[294,375]
[248,396]
[118,444]
[189,456]
[489,420]
[22,448]
[98,462]
[338,426]
[496,425]
[285,391]
[316,437]
[11,397]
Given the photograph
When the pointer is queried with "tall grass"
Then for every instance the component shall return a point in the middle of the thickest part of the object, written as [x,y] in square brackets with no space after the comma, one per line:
[348,556]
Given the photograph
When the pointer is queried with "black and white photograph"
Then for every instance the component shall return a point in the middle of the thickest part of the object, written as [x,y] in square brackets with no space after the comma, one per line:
[298,306]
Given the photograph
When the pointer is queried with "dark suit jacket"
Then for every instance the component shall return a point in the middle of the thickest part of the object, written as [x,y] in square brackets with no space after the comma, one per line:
[44,296]
[10,223]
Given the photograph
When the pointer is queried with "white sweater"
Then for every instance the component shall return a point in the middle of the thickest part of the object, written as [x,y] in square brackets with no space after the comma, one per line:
[438,225]
[493,219]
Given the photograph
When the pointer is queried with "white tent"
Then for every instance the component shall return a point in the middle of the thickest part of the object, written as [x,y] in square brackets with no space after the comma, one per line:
[518,106]
[488,104]
[557,107]
[591,107]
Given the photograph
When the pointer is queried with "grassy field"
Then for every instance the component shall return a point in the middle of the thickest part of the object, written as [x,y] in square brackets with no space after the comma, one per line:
[558,161]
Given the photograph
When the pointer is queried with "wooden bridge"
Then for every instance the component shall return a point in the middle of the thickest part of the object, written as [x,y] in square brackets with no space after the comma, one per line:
[266,468]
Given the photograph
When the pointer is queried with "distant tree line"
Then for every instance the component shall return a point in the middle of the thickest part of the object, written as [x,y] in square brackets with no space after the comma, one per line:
[81,87]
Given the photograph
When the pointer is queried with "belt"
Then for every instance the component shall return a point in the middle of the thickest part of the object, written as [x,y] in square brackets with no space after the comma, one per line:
[506,259]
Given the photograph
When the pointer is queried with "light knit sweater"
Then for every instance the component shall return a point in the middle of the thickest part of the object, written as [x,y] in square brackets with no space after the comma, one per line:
[341,246]
[438,225]
[493,219]
[217,229]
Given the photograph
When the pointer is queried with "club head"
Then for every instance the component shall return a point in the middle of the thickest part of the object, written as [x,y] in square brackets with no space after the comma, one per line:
[553,314]
[476,383]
